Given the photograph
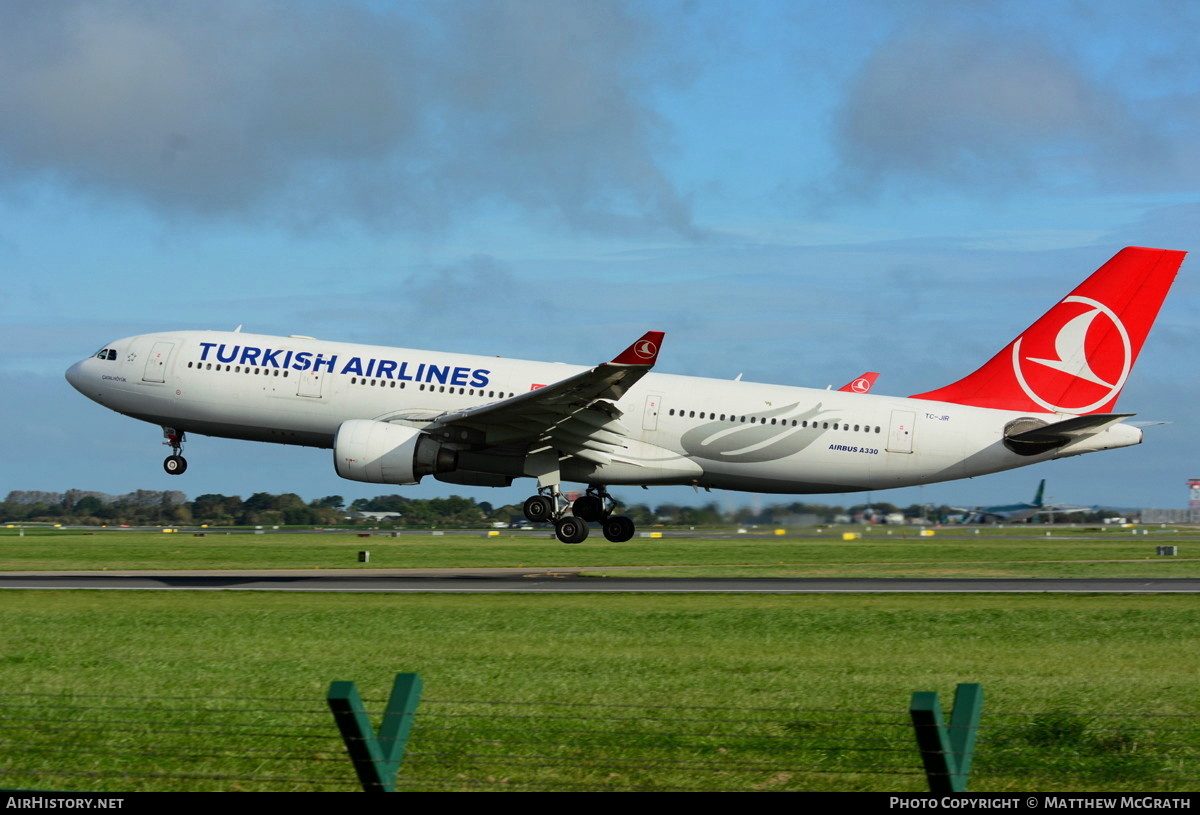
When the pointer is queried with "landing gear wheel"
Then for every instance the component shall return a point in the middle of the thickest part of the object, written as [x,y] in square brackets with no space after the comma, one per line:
[539,508]
[571,529]
[588,507]
[618,528]
[175,465]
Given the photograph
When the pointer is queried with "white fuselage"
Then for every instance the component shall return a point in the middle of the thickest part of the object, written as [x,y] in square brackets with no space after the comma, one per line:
[685,430]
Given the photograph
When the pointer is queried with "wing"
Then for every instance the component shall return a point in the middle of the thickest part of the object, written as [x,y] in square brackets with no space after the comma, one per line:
[578,414]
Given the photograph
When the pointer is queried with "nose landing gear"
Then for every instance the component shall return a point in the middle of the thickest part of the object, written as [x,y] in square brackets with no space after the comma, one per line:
[571,519]
[174,464]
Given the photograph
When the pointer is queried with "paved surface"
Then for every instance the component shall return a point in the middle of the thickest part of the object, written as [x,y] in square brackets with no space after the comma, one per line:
[485,581]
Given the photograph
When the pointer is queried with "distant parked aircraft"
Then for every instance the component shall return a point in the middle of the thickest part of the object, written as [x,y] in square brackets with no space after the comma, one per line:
[1018,512]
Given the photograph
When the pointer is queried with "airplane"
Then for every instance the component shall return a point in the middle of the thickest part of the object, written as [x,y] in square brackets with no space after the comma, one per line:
[1018,512]
[395,415]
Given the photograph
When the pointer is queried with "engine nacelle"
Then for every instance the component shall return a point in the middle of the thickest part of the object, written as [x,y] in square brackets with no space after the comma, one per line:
[382,453]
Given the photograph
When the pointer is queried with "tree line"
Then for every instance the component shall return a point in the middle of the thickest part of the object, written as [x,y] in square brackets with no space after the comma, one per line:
[166,507]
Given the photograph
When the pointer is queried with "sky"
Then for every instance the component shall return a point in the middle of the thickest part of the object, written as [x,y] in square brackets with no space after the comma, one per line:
[794,191]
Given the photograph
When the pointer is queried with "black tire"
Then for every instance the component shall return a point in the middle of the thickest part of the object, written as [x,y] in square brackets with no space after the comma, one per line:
[589,507]
[570,529]
[175,465]
[538,509]
[619,529]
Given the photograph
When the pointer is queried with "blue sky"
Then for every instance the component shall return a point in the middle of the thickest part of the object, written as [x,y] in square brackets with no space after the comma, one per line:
[794,191]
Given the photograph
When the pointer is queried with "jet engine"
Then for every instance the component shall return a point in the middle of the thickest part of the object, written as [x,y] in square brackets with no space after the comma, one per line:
[382,453]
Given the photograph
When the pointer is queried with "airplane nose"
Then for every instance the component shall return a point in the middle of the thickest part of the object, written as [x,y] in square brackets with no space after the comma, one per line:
[75,375]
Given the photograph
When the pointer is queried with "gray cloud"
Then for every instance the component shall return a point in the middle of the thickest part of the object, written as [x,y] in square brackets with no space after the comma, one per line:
[401,117]
[954,105]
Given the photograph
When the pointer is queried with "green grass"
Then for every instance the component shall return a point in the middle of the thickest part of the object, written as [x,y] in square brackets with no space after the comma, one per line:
[950,553]
[224,690]
[809,666]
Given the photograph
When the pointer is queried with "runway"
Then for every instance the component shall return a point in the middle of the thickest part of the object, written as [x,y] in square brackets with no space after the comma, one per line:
[511,581]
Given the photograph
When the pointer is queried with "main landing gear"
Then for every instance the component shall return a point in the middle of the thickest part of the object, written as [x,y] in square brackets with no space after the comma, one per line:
[594,507]
[174,464]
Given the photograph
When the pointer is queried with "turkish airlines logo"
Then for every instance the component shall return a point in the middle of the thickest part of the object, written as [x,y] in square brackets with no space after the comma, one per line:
[1078,354]
[860,385]
[645,349]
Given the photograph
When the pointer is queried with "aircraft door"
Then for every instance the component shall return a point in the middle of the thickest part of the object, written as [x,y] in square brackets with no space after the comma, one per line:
[156,364]
[650,416]
[900,434]
[309,384]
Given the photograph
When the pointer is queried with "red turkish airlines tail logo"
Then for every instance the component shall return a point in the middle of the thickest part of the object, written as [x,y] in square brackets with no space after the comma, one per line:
[1078,356]
[1079,366]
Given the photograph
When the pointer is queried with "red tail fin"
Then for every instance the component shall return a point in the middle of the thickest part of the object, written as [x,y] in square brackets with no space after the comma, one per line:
[1076,358]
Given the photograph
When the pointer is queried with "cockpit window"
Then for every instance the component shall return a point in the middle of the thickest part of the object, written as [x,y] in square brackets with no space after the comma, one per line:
[106,353]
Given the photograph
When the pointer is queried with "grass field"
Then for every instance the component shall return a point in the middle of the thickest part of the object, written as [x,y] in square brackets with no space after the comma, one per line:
[806,659]
[951,553]
[138,690]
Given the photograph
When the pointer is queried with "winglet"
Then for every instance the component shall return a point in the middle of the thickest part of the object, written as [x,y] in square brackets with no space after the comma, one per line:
[644,352]
[862,384]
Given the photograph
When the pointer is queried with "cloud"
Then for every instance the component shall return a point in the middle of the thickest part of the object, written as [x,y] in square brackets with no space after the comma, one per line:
[396,116]
[959,106]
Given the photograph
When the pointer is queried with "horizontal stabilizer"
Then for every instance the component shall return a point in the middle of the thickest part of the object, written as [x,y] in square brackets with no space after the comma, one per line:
[1031,437]
[1069,429]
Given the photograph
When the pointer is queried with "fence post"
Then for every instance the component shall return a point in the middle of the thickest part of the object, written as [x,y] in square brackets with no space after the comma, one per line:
[947,752]
[376,758]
